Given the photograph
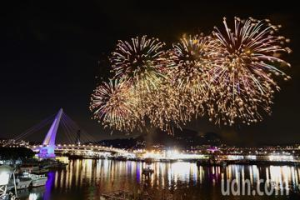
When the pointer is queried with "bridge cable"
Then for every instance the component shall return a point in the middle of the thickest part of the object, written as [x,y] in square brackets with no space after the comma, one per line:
[85,135]
[66,131]
[70,130]
[32,130]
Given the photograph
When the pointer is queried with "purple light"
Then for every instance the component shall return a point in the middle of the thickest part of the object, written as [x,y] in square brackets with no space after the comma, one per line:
[51,135]
[49,142]
[213,149]
[49,185]
[47,152]
[138,173]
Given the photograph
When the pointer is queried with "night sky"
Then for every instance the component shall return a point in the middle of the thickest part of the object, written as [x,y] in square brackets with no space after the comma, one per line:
[51,54]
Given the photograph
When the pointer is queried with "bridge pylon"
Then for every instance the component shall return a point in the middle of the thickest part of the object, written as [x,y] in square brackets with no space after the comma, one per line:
[47,151]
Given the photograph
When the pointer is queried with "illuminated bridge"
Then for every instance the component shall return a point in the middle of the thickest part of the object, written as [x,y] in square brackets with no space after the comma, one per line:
[78,144]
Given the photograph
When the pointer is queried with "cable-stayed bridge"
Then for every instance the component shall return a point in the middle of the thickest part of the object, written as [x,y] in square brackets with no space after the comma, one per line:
[76,141]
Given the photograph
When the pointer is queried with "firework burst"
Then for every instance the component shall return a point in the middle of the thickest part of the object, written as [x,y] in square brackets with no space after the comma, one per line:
[183,88]
[161,107]
[190,60]
[138,61]
[114,105]
[230,75]
[243,80]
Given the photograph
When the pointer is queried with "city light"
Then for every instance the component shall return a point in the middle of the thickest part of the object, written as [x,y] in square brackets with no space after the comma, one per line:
[281,158]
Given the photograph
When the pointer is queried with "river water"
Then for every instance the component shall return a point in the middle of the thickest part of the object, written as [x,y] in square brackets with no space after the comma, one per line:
[89,179]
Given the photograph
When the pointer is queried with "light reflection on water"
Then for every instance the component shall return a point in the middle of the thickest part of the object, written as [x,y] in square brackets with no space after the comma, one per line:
[87,179]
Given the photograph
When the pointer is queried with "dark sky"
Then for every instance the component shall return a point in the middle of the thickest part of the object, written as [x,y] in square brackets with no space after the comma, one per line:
[50,53]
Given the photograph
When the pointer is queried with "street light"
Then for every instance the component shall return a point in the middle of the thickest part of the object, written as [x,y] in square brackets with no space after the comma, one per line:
[5,173]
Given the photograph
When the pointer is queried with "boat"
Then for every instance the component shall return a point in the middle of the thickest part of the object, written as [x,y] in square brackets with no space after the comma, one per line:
[36,180]
[21,183]
[26,180]
[147,171]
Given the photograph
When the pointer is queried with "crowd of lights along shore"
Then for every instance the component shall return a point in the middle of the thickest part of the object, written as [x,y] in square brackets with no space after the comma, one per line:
[230,76]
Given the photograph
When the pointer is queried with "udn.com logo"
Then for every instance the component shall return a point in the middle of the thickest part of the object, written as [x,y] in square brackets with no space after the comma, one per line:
[238,187]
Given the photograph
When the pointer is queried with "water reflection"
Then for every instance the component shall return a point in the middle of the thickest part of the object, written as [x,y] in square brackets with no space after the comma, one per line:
[89,178]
